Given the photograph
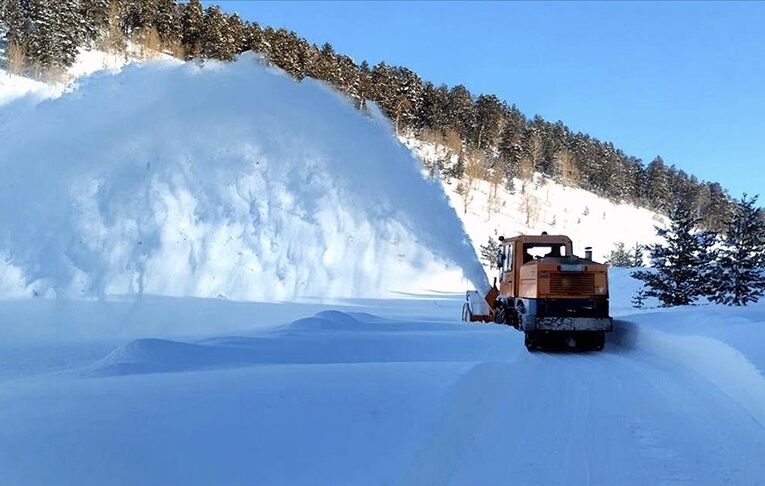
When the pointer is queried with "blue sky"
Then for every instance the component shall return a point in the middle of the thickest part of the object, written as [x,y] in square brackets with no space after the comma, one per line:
[683,80]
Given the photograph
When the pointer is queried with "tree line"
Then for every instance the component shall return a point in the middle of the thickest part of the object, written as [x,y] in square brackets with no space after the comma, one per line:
[41,36]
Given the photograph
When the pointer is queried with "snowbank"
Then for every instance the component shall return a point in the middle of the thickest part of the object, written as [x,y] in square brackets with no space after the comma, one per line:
[222,180]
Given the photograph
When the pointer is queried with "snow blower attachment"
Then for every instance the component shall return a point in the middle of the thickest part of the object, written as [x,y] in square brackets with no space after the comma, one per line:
[547,293]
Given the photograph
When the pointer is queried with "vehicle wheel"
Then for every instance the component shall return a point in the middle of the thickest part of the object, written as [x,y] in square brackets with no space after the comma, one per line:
[511,318]
[599,341]
[520,309]
[594,341]
[530,341]
[466,314]
[500,314]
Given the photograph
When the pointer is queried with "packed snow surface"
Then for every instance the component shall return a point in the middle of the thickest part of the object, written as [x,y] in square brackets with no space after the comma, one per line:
[375,391]
[222,180]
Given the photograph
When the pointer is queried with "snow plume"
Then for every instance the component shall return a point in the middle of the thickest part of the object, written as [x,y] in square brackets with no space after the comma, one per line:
[219,180]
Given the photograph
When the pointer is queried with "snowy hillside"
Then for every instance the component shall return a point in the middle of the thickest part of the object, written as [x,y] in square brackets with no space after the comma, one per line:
[545,205]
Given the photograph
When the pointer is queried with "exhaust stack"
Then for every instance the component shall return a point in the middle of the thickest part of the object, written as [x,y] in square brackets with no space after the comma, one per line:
[588,253]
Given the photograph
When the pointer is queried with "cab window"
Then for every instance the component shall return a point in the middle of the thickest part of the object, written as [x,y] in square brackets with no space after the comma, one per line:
[533,251]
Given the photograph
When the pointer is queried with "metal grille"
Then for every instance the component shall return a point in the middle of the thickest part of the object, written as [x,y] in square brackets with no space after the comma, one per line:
[572,283]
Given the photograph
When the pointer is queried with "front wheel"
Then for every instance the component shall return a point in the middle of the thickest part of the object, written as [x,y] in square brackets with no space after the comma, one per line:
[500,314]
[466,314]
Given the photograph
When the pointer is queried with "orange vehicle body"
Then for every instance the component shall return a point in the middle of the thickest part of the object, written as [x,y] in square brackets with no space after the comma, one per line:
[544,290]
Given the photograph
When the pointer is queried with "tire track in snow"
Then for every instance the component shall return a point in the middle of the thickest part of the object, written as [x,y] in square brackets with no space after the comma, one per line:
[476,397]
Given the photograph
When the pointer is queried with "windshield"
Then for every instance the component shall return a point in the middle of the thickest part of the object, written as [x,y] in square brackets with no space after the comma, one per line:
[532,251]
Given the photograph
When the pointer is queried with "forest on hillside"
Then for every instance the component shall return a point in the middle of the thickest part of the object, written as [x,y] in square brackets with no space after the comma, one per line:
[485,135]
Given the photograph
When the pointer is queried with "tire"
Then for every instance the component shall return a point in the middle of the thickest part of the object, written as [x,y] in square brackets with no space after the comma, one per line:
[466,314]
[520,309]
[531,341]
[500,314]
[591,341]
[599,341]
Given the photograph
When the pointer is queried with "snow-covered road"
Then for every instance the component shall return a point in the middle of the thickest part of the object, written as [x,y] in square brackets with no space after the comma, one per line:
[349,397]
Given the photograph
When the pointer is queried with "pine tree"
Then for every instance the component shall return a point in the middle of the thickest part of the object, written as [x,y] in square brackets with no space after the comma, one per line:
[683,264]
[461,111]
[636,256]
[488,110]
[619,257]
[53,32]
[12,35]
[252,37]
[218,42]
[192,28]
[659,194]
[435,107]
[166,21]
[95,15]
[740,276]
[489,252]
[638,300]
[137,15]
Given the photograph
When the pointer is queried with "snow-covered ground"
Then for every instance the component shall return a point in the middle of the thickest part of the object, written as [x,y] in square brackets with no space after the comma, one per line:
[365,391]
[133,203]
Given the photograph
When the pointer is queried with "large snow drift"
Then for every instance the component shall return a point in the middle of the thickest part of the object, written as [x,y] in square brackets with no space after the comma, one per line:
[218,180]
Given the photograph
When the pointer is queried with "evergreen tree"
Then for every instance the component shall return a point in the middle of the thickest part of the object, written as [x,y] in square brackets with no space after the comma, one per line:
[636,256]
[659,193]
[683,264]
[167,22]
[435,107]
[137,15]
[252,37]
[95,15]
[488,110]
[52,32]
[350,79]
[193,28]
[12,18]
[619,257]
[489,252]
[218,41]
[365,84]
[461,117]
[740,276]
[638,300]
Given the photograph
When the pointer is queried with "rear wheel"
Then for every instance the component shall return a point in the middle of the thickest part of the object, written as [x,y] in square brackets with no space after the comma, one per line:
[599,341]
[531,340]
[591,341]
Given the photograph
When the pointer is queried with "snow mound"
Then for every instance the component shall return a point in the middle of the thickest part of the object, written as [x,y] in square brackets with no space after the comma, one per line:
[329,337]
[216,181]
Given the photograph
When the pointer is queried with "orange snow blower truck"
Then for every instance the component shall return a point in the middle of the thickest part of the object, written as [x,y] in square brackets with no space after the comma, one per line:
[547,293]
